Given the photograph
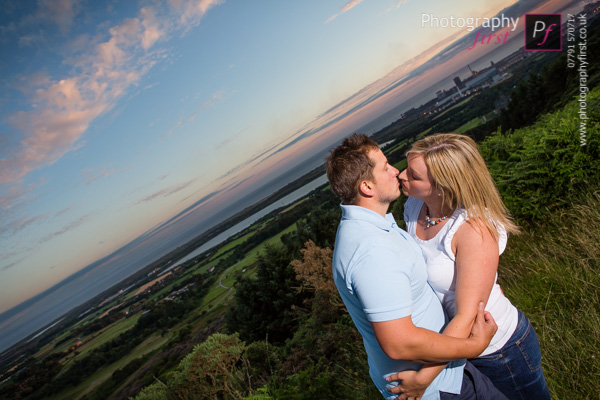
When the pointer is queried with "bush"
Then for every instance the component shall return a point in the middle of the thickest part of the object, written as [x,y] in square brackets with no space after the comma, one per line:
[540,167]
[208,372]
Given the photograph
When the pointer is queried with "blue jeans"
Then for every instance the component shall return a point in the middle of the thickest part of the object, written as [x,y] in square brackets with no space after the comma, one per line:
[516,369]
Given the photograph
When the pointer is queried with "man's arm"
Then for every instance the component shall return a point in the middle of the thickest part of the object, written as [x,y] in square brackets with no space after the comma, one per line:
[477,262]
[400,339]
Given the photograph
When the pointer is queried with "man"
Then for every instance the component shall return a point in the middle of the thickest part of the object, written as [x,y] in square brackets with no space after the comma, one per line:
[380,273]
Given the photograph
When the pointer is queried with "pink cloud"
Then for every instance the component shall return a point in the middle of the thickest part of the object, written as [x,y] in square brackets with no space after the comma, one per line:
[49,134]
[346,7]
[397,5]
[93,174]
[153,29]
[17,225]
[350,5]
[191,12]
[62,109]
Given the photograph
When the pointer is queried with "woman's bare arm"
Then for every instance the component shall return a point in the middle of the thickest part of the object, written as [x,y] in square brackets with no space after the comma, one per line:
[477,257]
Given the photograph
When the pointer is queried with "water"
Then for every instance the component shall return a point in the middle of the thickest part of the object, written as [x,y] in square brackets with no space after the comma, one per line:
[284,201]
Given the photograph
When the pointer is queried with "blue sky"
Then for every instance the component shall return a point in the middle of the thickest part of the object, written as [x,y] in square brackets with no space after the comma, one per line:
[117,115]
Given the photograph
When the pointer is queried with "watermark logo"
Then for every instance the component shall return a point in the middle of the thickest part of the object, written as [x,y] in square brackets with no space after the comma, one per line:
[485,35]
[543,32]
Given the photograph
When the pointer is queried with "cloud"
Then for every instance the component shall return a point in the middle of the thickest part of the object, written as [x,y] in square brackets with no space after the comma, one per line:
[64,210]
[397,5]
[32,39]
[153,30]
[233,138]
[104,65]
[219,95]
[346,7]
[210,102]
[69,227]
[63,109]
[93,174]
[14,195]
[350,5]
[49,14]
[16,225]
[6,267]
[167,191]
[13,202]
[181,214]
[193,11]
[60,12]
[231,171]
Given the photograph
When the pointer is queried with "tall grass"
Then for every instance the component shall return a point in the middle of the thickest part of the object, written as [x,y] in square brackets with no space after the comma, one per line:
[552,274]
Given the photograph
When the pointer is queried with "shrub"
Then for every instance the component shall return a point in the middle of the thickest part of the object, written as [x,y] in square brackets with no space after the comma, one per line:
[540,167]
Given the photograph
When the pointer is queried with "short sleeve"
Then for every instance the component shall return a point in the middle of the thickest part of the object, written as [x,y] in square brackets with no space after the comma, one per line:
[412,207]
[460,219]
[382,285]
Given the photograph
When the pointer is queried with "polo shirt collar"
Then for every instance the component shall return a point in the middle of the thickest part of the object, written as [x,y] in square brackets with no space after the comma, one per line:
[364,214]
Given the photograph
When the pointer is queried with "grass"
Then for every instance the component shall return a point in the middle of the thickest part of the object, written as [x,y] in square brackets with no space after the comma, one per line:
[551,274]
[103,336]
[150,344]
[396,146]
[401,165]
[233,244]
[50,346]
[169,287]
[217,293]
[206,266]
[213,293]
[469,125]
[457,104]
[294,205]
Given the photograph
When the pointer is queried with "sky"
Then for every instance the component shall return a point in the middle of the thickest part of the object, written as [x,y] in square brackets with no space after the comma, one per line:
[120,118]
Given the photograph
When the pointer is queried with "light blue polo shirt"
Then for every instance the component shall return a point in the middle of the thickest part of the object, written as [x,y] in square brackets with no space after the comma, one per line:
[380,273]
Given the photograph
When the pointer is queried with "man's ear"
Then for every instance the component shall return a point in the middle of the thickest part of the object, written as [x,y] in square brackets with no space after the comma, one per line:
[365,189]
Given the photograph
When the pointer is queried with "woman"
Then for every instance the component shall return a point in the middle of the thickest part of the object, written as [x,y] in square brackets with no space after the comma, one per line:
[457,217]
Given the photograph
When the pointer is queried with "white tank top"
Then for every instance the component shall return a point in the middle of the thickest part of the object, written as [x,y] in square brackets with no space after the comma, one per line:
[441,271]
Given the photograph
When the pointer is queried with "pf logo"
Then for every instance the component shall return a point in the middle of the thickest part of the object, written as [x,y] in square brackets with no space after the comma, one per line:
[543,32]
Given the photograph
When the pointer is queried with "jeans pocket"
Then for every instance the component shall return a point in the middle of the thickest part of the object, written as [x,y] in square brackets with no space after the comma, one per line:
[529,347]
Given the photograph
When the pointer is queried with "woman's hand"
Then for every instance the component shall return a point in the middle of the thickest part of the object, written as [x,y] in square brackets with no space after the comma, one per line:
[412,384]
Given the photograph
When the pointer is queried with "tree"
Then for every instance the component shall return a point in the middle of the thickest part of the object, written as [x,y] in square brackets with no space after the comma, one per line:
[209,371]
[315,274]
[265,305]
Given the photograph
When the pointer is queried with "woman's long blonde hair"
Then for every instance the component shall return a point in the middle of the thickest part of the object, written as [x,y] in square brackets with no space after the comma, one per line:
[460,174]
